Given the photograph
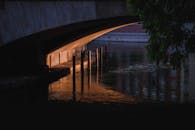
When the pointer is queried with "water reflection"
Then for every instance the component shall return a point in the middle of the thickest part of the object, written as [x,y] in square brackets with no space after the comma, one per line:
[122,73]
[62,90]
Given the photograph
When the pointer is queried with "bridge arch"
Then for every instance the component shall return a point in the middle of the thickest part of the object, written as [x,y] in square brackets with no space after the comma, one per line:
[64,53]
[19,57]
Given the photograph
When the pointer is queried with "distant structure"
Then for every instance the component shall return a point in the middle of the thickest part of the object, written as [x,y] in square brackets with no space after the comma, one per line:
[132,34]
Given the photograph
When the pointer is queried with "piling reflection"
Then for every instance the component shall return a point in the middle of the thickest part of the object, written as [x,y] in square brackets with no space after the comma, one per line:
[96,93]
[122,74]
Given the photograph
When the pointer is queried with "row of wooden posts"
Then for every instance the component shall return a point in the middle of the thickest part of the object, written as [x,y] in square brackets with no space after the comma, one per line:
[98,57]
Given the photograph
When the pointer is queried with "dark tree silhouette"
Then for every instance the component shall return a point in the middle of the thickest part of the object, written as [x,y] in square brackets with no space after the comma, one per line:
[167,23]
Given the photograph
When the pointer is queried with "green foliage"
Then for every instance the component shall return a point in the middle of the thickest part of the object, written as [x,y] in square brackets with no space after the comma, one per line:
[164,21]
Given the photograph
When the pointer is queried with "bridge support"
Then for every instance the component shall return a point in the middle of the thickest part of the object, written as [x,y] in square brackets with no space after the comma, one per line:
[74,78]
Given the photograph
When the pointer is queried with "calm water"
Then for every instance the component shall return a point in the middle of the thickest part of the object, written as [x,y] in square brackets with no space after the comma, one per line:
[125,75]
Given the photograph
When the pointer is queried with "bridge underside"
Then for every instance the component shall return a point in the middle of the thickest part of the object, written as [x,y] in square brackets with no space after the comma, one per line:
[65,53]
[30,54]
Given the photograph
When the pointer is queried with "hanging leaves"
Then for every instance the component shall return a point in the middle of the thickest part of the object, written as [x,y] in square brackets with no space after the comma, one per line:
[164,21]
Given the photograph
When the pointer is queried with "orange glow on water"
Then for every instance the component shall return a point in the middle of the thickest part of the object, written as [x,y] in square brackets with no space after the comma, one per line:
[94,92]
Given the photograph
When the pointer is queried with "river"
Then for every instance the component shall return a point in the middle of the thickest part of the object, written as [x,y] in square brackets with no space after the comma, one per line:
[124,74]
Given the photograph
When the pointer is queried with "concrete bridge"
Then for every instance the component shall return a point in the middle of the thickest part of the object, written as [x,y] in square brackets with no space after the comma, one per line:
[31,31]
[23,18]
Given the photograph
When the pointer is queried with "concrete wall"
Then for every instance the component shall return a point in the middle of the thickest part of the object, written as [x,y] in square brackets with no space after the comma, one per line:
[111,8]
[22,18]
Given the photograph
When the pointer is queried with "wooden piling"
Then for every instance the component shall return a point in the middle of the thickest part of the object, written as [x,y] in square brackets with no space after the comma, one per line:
[74,77]
[101,55]
[97,57]
[59,58]
[82,71]
[97,65]
[50,61]
[89,60]
[89,69]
